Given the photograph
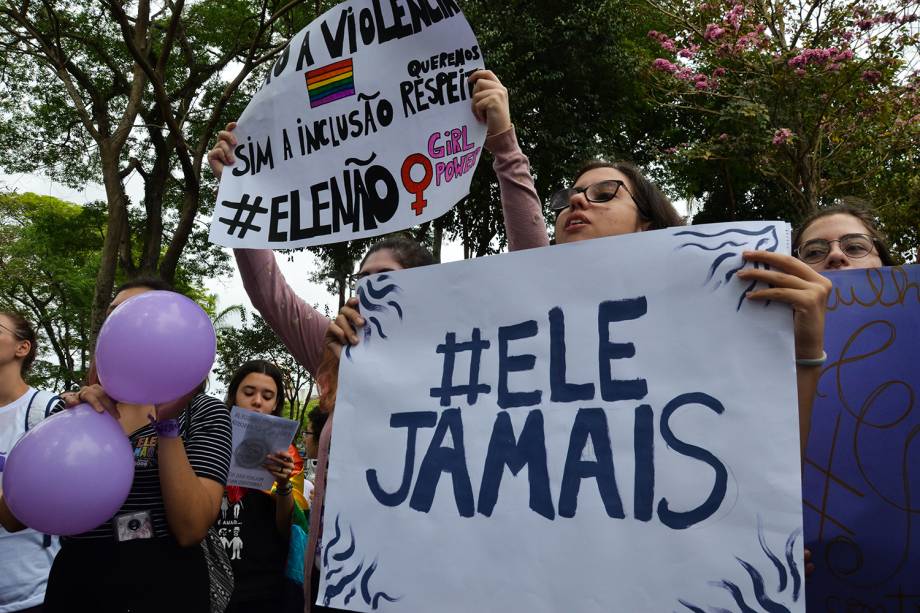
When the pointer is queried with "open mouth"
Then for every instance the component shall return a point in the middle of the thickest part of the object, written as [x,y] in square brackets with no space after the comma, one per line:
[575,221]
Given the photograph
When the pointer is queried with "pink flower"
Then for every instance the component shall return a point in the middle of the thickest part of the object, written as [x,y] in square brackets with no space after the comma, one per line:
[733,17]
[664,65]
[689,52]
[668,45]
[713,32]
[844,55]
[782,136]
[865,24]
[800,72]
[871,76]
[701,84]
[835,67]
[723,136]
[718,72]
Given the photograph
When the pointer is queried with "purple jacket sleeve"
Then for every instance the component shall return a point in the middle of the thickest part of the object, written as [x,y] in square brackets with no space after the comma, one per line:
[524,222]
[299,326]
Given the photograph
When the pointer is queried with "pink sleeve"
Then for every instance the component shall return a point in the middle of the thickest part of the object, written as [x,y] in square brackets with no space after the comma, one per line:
[524,222]
[299,326]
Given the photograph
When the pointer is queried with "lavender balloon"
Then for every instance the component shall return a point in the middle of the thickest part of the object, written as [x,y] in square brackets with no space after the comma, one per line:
[154,348]
[70,473]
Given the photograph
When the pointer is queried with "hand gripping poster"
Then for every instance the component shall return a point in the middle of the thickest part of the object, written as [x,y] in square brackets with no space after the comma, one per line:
[594,427]
[363,126]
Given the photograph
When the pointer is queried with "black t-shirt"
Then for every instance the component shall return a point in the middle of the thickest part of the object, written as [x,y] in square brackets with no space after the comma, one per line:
[256,550]
[205,430]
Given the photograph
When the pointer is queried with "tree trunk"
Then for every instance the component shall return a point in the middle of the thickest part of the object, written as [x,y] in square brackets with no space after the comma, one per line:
[436,241]
[105,278]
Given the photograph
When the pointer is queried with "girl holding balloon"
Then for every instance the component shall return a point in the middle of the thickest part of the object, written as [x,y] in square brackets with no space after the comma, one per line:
[26,555]
[144,554]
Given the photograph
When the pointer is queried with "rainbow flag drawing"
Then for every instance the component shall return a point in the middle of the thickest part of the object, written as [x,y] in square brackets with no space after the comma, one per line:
[330,83]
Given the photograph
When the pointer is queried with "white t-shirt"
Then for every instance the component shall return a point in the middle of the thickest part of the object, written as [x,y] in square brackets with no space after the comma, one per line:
[23,556]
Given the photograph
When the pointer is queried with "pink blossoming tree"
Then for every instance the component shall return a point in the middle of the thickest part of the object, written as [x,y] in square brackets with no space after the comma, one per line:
[813,99]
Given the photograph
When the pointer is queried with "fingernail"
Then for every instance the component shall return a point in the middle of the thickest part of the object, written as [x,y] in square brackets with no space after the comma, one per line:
[360,321]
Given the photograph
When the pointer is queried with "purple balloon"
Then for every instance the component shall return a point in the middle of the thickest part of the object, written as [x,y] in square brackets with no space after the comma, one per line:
[154,348]
[70,473]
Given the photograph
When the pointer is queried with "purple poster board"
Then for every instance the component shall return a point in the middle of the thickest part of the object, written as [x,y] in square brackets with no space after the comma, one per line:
[862,465]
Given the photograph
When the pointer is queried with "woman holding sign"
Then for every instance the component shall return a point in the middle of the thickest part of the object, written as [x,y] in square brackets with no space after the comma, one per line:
[257,525]
[148,557]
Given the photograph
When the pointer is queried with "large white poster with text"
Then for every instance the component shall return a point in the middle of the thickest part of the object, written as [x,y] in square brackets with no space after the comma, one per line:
[363,126]
[594,427]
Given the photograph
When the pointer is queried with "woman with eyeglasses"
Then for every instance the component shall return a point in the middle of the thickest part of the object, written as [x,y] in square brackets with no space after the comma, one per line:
[841,237]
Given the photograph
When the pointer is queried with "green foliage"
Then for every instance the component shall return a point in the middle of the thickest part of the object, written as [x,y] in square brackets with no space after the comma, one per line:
[257,341]
[786,105]
[49,254]
[114,92]
[49,251]
[574,75]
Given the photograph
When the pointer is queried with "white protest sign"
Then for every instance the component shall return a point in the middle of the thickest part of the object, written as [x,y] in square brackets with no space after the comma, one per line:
[363,127]
[255,435]
[593,427]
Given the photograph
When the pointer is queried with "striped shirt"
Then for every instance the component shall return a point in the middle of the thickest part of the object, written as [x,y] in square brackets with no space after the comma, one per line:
[205,430]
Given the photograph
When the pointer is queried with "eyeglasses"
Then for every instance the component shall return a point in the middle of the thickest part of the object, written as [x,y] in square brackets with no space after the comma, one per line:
[603,191]
[10,330]
[853,245]
[354,279]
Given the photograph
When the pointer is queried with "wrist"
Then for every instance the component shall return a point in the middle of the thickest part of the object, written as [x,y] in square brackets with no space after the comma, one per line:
[284,489]
[166,428]
[819,359]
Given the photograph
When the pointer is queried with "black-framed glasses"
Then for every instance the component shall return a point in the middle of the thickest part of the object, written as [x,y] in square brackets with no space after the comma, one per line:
[853,245]
[355,278]
[602,191]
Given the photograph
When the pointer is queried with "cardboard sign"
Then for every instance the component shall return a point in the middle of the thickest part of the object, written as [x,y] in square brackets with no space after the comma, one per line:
[364,126]
[862,468]
[601,426]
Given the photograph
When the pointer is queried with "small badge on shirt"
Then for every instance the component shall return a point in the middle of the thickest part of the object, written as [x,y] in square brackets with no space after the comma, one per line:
[131,526]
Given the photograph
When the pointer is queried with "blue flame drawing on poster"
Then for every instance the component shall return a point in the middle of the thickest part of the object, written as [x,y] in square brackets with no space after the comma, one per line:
[348,572]
[789,580]
[729,245]
[375,302]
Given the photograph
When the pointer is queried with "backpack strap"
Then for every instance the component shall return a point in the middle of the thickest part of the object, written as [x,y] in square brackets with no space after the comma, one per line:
[55,402]
[29,411]
[51,404]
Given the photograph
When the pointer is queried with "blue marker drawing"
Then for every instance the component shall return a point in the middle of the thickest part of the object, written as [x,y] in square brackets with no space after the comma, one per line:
[348,582]
[375,302]
[728,246]
[788,581]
